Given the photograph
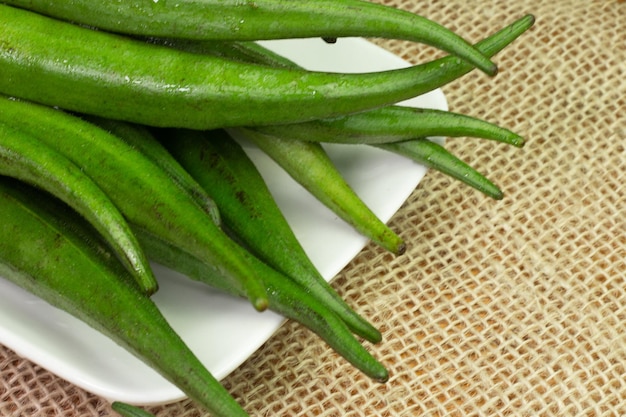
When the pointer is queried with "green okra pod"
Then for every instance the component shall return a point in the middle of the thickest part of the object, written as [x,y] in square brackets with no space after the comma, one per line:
[46,249]
[144,193]
[142,139]
[112,76]
[393,124]
[27,158]
[309,165]
[435,156]
[249,210]
[260,19]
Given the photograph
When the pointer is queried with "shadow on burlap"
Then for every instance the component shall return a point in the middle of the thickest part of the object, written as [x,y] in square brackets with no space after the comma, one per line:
[514,307]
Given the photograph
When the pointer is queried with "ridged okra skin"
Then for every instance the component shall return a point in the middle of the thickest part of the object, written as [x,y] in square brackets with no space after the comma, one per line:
[142,139]
[116,77]
[28,159]
[143,192]
[46,249]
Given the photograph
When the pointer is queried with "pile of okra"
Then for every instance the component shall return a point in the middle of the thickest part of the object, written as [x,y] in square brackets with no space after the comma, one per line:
[118,147]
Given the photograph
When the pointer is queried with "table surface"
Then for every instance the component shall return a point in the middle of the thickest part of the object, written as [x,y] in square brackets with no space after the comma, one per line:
[511,307]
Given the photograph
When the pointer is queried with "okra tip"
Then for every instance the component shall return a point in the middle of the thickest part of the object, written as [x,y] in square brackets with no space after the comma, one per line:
[491,70]
[497,195]
[518,141]
[260,303]
[373,335]
[400,249]
[527,21]
[393,243]
[149,285]
[382,376]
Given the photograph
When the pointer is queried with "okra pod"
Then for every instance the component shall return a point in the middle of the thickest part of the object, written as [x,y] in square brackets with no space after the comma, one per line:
[27,158]
[435,156]
[143,192]
[48,251]
[309,165]
[393,124]
[260,19]
[116,77]
[142,139]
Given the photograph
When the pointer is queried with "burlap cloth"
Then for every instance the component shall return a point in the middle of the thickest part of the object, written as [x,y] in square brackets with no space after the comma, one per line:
[514,307]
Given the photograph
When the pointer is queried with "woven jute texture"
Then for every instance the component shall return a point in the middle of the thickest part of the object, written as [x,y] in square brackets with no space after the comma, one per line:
[499,308]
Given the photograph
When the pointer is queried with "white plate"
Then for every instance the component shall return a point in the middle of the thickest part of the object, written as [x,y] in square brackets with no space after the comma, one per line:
[222,331]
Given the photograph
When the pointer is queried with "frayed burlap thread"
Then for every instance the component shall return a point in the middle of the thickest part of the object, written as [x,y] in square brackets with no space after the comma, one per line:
[499,308]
